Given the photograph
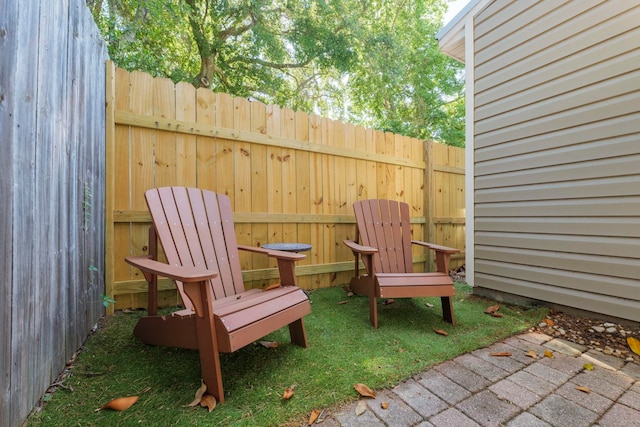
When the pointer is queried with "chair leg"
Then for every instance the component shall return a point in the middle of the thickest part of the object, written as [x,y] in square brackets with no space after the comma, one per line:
[209,359]
[447,309]
[373,311]
[298,333]
[200,293]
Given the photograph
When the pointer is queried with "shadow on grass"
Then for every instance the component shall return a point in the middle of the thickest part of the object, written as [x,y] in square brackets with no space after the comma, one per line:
[344,349]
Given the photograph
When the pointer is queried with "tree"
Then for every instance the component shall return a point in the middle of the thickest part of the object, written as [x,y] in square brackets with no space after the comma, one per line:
[404,83]
[371,62]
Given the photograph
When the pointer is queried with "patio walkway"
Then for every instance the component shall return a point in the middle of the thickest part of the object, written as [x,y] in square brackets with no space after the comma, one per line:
[477,389]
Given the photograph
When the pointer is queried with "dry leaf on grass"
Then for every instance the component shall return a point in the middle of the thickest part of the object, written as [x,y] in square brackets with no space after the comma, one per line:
[492,309]
[389,301]
[441,332]
[634,344]
[119,404]
[274,286]
[288,393]
[199,394]
[501,354]
[583,389]
[347,290]
[532,353]
[548,353]
[314,416]
[588,366]
[208,401]
[361,407]
[269,344]
[344,302]
[428,304]
[363,390]
[497,315]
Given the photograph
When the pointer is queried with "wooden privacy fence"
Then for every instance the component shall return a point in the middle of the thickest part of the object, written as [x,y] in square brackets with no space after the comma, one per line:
[291,177]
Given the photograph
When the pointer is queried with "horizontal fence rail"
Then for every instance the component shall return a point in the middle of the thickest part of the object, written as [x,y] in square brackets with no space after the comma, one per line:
[291,177]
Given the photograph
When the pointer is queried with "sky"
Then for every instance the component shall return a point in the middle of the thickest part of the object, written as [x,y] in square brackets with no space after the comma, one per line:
[455,6]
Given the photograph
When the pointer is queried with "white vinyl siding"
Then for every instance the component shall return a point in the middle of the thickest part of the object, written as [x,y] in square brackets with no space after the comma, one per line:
[556,140]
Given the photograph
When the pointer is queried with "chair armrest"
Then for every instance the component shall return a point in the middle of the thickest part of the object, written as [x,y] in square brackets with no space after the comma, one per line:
[435,247]
[273,253]
[179,273]
[364,250]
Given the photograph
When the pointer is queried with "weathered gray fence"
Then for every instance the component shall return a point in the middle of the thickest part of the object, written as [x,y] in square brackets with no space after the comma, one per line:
[52,82]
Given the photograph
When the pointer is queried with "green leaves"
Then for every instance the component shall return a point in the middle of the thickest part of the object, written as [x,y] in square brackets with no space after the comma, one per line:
[106,300]
[374,63]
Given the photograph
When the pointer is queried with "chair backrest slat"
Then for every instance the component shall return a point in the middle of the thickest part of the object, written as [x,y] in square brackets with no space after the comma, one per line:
[366,228]
[203,224]
[397,235]
[388,235]
[223,235]
[405,223]
[195,228]
[385,225]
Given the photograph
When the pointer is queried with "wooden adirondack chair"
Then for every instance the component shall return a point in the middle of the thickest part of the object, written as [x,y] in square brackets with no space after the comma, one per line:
[384,229]
[195,228]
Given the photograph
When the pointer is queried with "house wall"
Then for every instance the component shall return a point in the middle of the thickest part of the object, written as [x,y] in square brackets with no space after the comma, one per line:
[52,118]
[556,124]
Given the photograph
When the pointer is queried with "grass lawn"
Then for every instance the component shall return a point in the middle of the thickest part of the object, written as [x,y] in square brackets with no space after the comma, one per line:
[344,349]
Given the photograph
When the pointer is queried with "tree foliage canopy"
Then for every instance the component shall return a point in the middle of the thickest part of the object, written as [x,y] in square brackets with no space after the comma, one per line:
[370,62]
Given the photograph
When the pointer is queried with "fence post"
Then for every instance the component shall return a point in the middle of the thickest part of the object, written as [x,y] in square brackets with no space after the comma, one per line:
[110,135]
[428,200]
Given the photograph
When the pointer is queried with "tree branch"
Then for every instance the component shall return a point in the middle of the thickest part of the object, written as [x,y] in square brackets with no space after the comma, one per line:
[268,63]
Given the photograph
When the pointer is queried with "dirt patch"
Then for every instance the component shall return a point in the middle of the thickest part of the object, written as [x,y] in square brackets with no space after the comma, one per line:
[607,336]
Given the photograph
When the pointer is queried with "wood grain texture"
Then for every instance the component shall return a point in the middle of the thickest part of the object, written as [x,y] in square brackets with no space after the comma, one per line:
[53,122]
[290,176]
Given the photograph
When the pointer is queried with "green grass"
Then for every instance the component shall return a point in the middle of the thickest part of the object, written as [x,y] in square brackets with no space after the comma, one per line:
[344,349]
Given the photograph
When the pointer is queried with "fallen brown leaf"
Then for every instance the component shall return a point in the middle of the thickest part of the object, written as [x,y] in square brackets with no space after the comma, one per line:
[208,401]
[634,344]
[501,354]
[492,309]
[384,405]
[314,416]
[274,286]
[389,301]
[548,353]
[441,332]
[199,393]
[497,314]
[344,302]
[361,407]
[532,353]
[288,393]
[363,390]
[583,389]
[548,321]
[347,290]
[119,404]
[269,344]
